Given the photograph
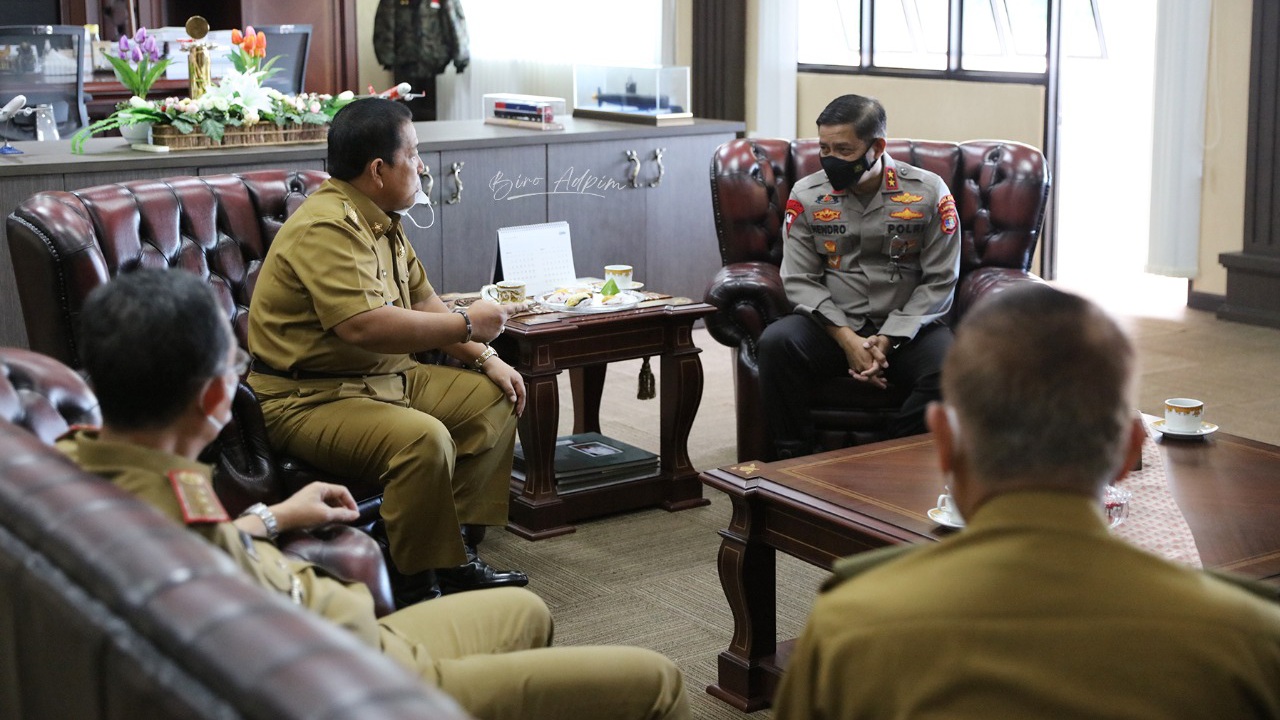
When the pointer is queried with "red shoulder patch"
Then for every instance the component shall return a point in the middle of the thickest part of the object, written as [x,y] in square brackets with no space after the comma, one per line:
[196,498]
[947,213]
[890,179]
[794,208]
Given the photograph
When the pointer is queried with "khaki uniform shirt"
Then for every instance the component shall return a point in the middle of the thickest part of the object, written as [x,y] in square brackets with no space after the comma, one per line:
[182,490]
[1034,611]
[893,262]
[339,255]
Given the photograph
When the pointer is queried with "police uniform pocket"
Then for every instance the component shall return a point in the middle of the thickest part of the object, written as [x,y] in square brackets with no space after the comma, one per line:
[834,245]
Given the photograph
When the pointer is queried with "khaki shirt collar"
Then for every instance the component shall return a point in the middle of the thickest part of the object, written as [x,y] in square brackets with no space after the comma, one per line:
[374,219]
[1040,510]
[102,457]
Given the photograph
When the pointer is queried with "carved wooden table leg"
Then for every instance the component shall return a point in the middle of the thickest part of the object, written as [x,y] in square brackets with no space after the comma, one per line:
[681,396]
[588,386]
[747,573]
[537,512]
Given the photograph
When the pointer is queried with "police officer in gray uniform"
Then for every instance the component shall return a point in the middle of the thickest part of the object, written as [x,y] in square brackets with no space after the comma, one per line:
[870,259]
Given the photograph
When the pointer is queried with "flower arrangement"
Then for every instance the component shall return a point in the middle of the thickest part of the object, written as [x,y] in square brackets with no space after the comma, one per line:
[138,62]
[237,101]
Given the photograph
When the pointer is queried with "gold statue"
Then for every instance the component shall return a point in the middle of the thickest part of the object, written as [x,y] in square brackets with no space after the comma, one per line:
[198,56]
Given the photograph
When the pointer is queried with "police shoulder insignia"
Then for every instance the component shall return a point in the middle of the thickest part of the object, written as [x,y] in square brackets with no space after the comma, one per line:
[350,214]
[947,214]
[196,498]
[794,208]
[890,179]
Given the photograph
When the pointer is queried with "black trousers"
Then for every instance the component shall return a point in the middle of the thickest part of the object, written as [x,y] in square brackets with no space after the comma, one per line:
[796,355]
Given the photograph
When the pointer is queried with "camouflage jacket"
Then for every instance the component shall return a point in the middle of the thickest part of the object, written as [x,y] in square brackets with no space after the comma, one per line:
[419,38]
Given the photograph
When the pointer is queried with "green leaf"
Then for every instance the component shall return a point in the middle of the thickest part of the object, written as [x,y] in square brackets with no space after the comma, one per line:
[213,129]
[183,125]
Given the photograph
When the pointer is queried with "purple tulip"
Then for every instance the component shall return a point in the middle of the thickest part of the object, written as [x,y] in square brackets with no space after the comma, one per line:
[140,36]
[124,46]
[135,54]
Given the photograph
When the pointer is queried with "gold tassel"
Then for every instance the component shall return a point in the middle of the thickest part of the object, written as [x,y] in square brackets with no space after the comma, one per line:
[646,390]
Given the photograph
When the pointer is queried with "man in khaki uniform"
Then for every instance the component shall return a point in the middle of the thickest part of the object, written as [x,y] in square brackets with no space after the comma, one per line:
[1034,610]
[161,358]
[871,253]
[340,304]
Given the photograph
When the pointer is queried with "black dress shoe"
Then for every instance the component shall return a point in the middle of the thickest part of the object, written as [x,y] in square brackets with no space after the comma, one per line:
[478,575]
[409,590]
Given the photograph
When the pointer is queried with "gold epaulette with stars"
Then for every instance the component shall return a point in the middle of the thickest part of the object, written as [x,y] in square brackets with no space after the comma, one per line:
[350,214]
[196,498]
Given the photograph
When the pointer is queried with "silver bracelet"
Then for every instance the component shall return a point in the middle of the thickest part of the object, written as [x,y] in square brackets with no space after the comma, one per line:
[267,517]
[467,319]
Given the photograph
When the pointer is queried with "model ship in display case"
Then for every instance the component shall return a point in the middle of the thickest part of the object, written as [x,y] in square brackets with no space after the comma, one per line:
[651,95]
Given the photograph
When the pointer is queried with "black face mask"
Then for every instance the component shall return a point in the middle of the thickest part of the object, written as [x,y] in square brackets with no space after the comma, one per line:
[843,174]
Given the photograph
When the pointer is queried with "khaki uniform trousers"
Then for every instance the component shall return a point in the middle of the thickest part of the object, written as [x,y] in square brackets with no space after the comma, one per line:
[488,650]
[438,439]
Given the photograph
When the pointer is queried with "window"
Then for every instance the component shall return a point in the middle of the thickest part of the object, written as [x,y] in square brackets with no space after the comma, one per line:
[567,31]
[996,36]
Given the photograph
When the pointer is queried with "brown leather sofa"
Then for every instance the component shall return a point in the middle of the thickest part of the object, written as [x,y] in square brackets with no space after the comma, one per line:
[1000,188]
[65,244]
[109,610]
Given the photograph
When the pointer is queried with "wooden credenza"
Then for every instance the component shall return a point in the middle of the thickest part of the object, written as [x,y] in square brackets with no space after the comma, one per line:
[483,177]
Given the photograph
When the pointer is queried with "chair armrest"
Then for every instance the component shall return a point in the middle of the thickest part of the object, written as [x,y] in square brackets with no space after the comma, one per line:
[346,554]
[244,469]
[747,296]
[984,281]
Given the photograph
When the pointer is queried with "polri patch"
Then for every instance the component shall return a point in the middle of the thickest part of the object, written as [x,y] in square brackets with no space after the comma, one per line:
[947,213]
[794,208]
[196,498]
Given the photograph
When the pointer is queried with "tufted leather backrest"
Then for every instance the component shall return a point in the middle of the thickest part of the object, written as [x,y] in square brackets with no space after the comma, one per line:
[1000,188]
[110,610]
[65,244]
[43,395]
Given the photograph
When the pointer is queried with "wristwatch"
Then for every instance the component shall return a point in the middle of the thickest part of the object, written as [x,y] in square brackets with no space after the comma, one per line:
[267,517]
[478,363]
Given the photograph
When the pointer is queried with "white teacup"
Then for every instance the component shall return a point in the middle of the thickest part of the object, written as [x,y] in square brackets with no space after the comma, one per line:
[1183,415]
[947,505]
[506,292]
[620,274]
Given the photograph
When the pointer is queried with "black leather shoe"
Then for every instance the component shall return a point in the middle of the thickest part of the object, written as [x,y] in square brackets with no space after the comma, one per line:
[409,590]
[478,575]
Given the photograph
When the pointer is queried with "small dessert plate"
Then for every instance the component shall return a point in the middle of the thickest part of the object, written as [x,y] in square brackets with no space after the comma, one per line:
[1206,429]
[942,517]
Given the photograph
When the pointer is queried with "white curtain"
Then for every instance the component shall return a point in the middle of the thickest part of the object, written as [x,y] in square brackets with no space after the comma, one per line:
[526,47]
[1177,161]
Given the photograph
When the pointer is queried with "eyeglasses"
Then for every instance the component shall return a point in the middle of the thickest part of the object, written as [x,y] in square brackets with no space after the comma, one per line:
[241,364]
[897,248]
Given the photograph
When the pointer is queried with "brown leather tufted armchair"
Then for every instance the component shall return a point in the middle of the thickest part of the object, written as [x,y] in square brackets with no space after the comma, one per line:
[40,394]
[65,244]
[1000,189]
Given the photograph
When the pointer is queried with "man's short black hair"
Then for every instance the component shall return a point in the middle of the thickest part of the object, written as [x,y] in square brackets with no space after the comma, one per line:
[363,131]
[865,114]
[150,340]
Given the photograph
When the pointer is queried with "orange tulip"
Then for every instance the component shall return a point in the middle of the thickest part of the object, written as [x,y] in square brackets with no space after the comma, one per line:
[262,44]
[248,30]
[247,46]
[236,37]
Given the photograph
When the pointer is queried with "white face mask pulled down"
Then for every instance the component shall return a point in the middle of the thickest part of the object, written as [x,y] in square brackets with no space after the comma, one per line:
[420,198]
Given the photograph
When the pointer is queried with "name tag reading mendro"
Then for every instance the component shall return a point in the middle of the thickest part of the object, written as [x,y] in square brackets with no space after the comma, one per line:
[196,498]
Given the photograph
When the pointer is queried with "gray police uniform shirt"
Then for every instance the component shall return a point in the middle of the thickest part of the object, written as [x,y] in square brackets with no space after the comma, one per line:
[893,262]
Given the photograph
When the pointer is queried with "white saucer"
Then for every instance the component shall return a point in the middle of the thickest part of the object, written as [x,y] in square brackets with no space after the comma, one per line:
[942,517]
[1206,429]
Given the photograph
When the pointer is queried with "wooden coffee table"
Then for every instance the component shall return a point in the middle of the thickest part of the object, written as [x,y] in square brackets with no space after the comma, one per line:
[541,346]
[823,507]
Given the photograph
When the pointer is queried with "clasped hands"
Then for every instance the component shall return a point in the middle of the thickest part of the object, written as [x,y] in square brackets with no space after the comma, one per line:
[868,359]
[316,504]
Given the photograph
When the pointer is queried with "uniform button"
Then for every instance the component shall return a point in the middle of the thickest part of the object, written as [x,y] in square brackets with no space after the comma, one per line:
[384,273]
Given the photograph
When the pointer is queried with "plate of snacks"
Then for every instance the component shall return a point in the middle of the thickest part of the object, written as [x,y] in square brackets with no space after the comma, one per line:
[590,298]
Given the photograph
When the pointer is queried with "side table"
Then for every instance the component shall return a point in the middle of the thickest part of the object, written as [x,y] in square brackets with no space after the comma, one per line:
[541,346]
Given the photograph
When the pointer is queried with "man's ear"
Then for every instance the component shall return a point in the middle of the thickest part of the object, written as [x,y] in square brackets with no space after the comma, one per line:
[214,396]
[879,144]
[375,169]
[944,436]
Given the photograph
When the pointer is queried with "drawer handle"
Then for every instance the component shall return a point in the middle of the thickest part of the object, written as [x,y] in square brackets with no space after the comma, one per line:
[456,171]
[428,184]
[633,157]
[657,158]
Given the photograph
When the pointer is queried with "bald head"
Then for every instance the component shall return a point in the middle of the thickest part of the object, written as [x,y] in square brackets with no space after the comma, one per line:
[1041,381]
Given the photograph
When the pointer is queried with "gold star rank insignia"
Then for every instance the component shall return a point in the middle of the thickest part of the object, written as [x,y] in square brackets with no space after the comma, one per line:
[196,498]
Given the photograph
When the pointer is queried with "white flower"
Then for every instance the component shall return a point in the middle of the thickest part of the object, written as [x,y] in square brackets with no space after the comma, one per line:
[314,107]
[138,102]
[251,117]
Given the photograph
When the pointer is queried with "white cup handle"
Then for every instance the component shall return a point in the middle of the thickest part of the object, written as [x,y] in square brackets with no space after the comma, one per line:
[489,292]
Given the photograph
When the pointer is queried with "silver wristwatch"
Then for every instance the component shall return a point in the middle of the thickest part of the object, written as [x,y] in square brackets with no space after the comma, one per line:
[267,517]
